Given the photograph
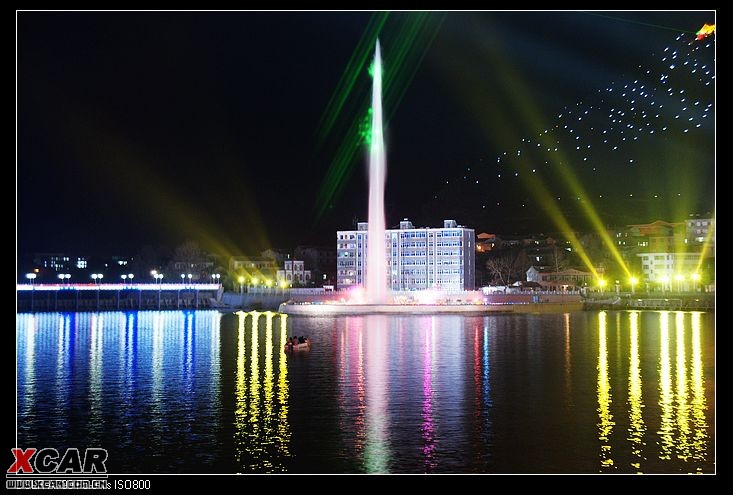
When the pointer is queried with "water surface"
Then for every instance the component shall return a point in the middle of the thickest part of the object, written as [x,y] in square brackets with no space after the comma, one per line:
[204,392]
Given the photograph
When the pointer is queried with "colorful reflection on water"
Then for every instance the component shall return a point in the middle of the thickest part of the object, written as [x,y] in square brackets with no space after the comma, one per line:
[617,392]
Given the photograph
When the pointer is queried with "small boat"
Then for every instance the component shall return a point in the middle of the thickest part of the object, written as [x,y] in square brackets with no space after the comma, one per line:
[303,346]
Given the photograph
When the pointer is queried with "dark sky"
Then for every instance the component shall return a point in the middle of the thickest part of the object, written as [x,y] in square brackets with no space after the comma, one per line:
[152,128]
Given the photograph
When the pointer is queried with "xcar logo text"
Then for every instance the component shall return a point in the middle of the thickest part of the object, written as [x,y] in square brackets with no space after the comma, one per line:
[49,461]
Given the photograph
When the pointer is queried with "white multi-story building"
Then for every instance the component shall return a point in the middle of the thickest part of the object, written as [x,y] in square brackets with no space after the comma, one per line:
[417,258]
[666,267]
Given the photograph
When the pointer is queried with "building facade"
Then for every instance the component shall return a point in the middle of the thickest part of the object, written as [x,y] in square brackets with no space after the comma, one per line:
[293,273]
[320,260]
[417,258]
[665,267]
[259,269]
[568,279]
[700,231]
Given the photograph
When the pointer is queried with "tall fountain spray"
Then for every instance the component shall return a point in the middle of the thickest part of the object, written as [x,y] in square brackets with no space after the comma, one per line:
[376,262]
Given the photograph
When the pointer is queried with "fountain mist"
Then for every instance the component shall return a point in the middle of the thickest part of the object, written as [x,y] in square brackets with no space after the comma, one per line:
[376,262]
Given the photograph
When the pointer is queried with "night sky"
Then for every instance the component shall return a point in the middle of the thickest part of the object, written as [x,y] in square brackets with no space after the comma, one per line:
[153,128]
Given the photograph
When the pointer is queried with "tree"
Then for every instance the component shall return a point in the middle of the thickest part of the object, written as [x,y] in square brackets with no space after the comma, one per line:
[500,267]
[507,265]
[558,259]
[187,254]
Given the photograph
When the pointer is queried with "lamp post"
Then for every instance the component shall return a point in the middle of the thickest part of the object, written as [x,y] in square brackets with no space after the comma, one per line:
[679,278]
[601,284]
[32,277]
[159,279]
[130,276]
[154,274]
[617,287]
[124,277]
[633,281]
[189,278]
[183,278]
[215,277]
[97,277]
[241,285]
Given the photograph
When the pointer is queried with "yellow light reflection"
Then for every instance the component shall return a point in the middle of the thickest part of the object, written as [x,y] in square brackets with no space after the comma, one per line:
[240,411]
[666,427]
[636,426]
[268,384]
[700,425]
[605,418]
[683,408]
[254,388]
[568,356]
[283,428]
[261,430]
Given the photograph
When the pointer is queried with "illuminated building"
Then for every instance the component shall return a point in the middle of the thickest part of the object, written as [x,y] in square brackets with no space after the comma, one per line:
[417,258]
[656,266]
[569,278]
[294,273]
[700,229]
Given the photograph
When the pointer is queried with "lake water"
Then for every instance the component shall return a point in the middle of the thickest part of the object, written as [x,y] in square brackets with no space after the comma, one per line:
[204,392]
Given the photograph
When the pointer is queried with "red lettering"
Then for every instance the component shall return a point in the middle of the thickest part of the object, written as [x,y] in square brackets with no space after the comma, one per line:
[22,461]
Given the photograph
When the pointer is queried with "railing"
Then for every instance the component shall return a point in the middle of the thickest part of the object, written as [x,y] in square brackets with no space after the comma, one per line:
[151,286]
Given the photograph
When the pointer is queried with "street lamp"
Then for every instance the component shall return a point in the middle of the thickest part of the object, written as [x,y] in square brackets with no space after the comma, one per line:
[63,276]
[617,286]
[241,285]
[695,279]
[158,277]
[130,276]
[633,281]
[189,278]
[32,277]
[154,274]
[601,284]
[97,277]
[183,278]
[215,277]
[124,277]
